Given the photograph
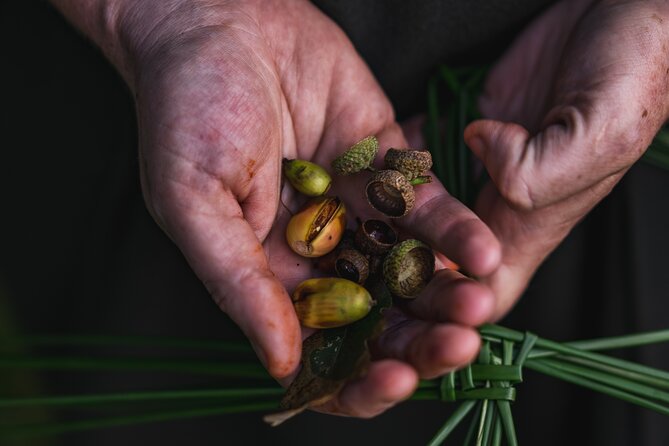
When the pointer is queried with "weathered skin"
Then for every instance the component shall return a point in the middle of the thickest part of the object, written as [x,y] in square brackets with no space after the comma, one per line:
[224,91]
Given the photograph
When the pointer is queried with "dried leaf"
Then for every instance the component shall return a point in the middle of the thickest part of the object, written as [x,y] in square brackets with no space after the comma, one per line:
[333,357]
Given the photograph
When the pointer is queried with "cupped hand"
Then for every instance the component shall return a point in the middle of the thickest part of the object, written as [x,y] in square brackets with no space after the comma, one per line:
[224,91]
[572,105]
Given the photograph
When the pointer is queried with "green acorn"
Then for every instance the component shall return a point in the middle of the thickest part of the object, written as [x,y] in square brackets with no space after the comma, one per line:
[389,192]
[411,162]
[359,157]
[307,177]
[408,268]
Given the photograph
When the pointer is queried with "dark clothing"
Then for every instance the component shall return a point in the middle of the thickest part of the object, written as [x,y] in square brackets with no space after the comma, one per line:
[80,254]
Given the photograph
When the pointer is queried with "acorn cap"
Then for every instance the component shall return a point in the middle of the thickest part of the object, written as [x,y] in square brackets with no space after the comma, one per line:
[411,162]
[357,158]
[375,237]
[351,264]
[408,268]
[389,192]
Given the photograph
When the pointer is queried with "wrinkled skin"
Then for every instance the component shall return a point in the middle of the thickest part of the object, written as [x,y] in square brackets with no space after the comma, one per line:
[572,105]
[224,91]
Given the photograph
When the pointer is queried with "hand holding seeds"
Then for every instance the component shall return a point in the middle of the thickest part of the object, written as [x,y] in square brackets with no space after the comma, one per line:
[213,132]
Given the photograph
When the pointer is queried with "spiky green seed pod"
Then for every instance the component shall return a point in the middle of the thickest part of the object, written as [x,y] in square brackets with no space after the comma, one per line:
[330,302]
[359,157]
[307,177]
[389,192]
[408,268]
[411,163]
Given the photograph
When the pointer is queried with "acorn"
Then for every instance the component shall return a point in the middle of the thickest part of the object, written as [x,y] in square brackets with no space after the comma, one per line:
[358,157]
[375,237]
[307,177]
[411,163]
[318,227]
[351,264]
[330,302]
[408,268]
[389,192]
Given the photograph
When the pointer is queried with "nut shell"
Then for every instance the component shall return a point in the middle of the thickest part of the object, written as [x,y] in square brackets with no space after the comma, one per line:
[316,229]
[408,268]
[351,264]
[330,302]
[390,193]
[375,237]
[411,163]
[358,157]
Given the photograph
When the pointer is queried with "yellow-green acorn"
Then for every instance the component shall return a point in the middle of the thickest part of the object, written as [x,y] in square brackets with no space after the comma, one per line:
[408,268]
[330,302]
[357,158]
[307,177]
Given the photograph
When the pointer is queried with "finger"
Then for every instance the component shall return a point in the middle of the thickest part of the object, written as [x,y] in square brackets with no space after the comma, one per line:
[452,229]
[433,349]
[386,383]
[452,297]
[225,253]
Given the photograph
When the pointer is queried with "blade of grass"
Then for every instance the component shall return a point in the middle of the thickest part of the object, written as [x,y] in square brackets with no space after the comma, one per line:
[463,167]
[433,135]
[472,426]
[487,415]
[453,421]
[49,429]
[633,376]
[125,341]
[240,370]
[539,366]
[608,379]
[97,399]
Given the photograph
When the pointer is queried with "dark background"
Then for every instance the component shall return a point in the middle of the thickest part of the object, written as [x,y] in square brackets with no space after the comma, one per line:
[80,254]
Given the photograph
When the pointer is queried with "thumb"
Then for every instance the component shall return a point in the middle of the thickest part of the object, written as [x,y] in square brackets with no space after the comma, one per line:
[227,256]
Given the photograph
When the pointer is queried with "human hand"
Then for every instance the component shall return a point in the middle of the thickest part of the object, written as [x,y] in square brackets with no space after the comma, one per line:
[224,91]
[572,105]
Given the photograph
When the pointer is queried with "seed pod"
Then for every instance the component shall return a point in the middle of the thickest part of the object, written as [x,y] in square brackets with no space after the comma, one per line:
[389,192]
[375,237]
[410,162]
[357,158]
[318,227]
[330,302]
[307,177]
[351,264]
[408,268]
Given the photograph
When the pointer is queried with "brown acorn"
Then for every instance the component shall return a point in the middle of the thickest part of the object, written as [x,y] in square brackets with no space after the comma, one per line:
[351,264]
[408,268]
[389,192]
[357,158]
[411,163]
[375,237]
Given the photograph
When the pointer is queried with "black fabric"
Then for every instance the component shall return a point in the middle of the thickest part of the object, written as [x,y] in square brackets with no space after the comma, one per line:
[80,254]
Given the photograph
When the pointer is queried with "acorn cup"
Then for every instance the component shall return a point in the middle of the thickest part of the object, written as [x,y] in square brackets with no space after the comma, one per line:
[317,228]
[351,264]
[330,302]
[357,158]
[390,193]
[412,163]
[408,268]
[307,177]
[375,237]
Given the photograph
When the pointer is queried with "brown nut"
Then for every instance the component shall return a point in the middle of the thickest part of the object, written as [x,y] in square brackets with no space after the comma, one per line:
[408,267]
[389,192]
[318,227]
[351,264]
[411,163]
[375,237]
